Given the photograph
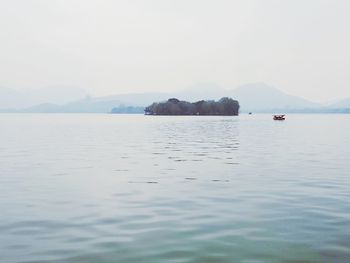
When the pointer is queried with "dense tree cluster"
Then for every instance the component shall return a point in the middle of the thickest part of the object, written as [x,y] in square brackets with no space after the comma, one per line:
[225,106]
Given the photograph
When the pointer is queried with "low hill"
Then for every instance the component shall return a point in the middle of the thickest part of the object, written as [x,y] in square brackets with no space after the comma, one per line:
[259,97]
[345,103]
[80,106]
[24,98]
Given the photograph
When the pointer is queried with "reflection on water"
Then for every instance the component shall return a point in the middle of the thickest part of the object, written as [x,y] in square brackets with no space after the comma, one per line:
[121,188]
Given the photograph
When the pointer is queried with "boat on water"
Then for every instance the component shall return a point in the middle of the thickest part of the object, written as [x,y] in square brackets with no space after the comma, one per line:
[279,117]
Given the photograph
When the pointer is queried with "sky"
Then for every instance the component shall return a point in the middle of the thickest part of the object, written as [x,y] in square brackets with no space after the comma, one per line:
[120,46]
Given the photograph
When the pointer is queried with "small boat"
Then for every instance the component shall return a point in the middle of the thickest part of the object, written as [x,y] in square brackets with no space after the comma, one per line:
[279,117]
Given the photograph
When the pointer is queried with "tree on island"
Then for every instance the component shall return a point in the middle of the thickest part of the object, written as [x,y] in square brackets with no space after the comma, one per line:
[173,106]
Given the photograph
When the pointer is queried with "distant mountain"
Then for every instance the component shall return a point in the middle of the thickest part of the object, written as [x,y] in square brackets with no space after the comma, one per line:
[345,103]
[42,108]
[254,97]
[133,99]
[259,97]
[198,92]
[80,106]
[24,98]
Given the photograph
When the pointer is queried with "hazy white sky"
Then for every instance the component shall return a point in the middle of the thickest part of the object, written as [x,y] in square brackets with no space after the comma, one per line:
[114,46]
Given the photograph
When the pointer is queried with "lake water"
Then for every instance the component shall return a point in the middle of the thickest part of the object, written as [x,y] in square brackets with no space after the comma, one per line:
[131,188]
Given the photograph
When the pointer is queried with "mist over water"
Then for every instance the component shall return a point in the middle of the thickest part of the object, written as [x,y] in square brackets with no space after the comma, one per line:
[133,188]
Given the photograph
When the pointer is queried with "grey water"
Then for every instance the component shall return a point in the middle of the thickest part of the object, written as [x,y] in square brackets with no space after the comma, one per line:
[133,188]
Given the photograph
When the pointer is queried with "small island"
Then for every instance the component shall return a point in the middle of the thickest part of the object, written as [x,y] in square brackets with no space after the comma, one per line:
[225,106]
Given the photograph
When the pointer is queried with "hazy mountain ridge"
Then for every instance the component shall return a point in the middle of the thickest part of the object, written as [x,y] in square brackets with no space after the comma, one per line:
[258,97]
[253,97]
[16,99]
[344,103]
[81,106]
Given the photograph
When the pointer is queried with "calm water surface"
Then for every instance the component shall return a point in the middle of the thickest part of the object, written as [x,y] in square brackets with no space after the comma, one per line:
[132,188]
